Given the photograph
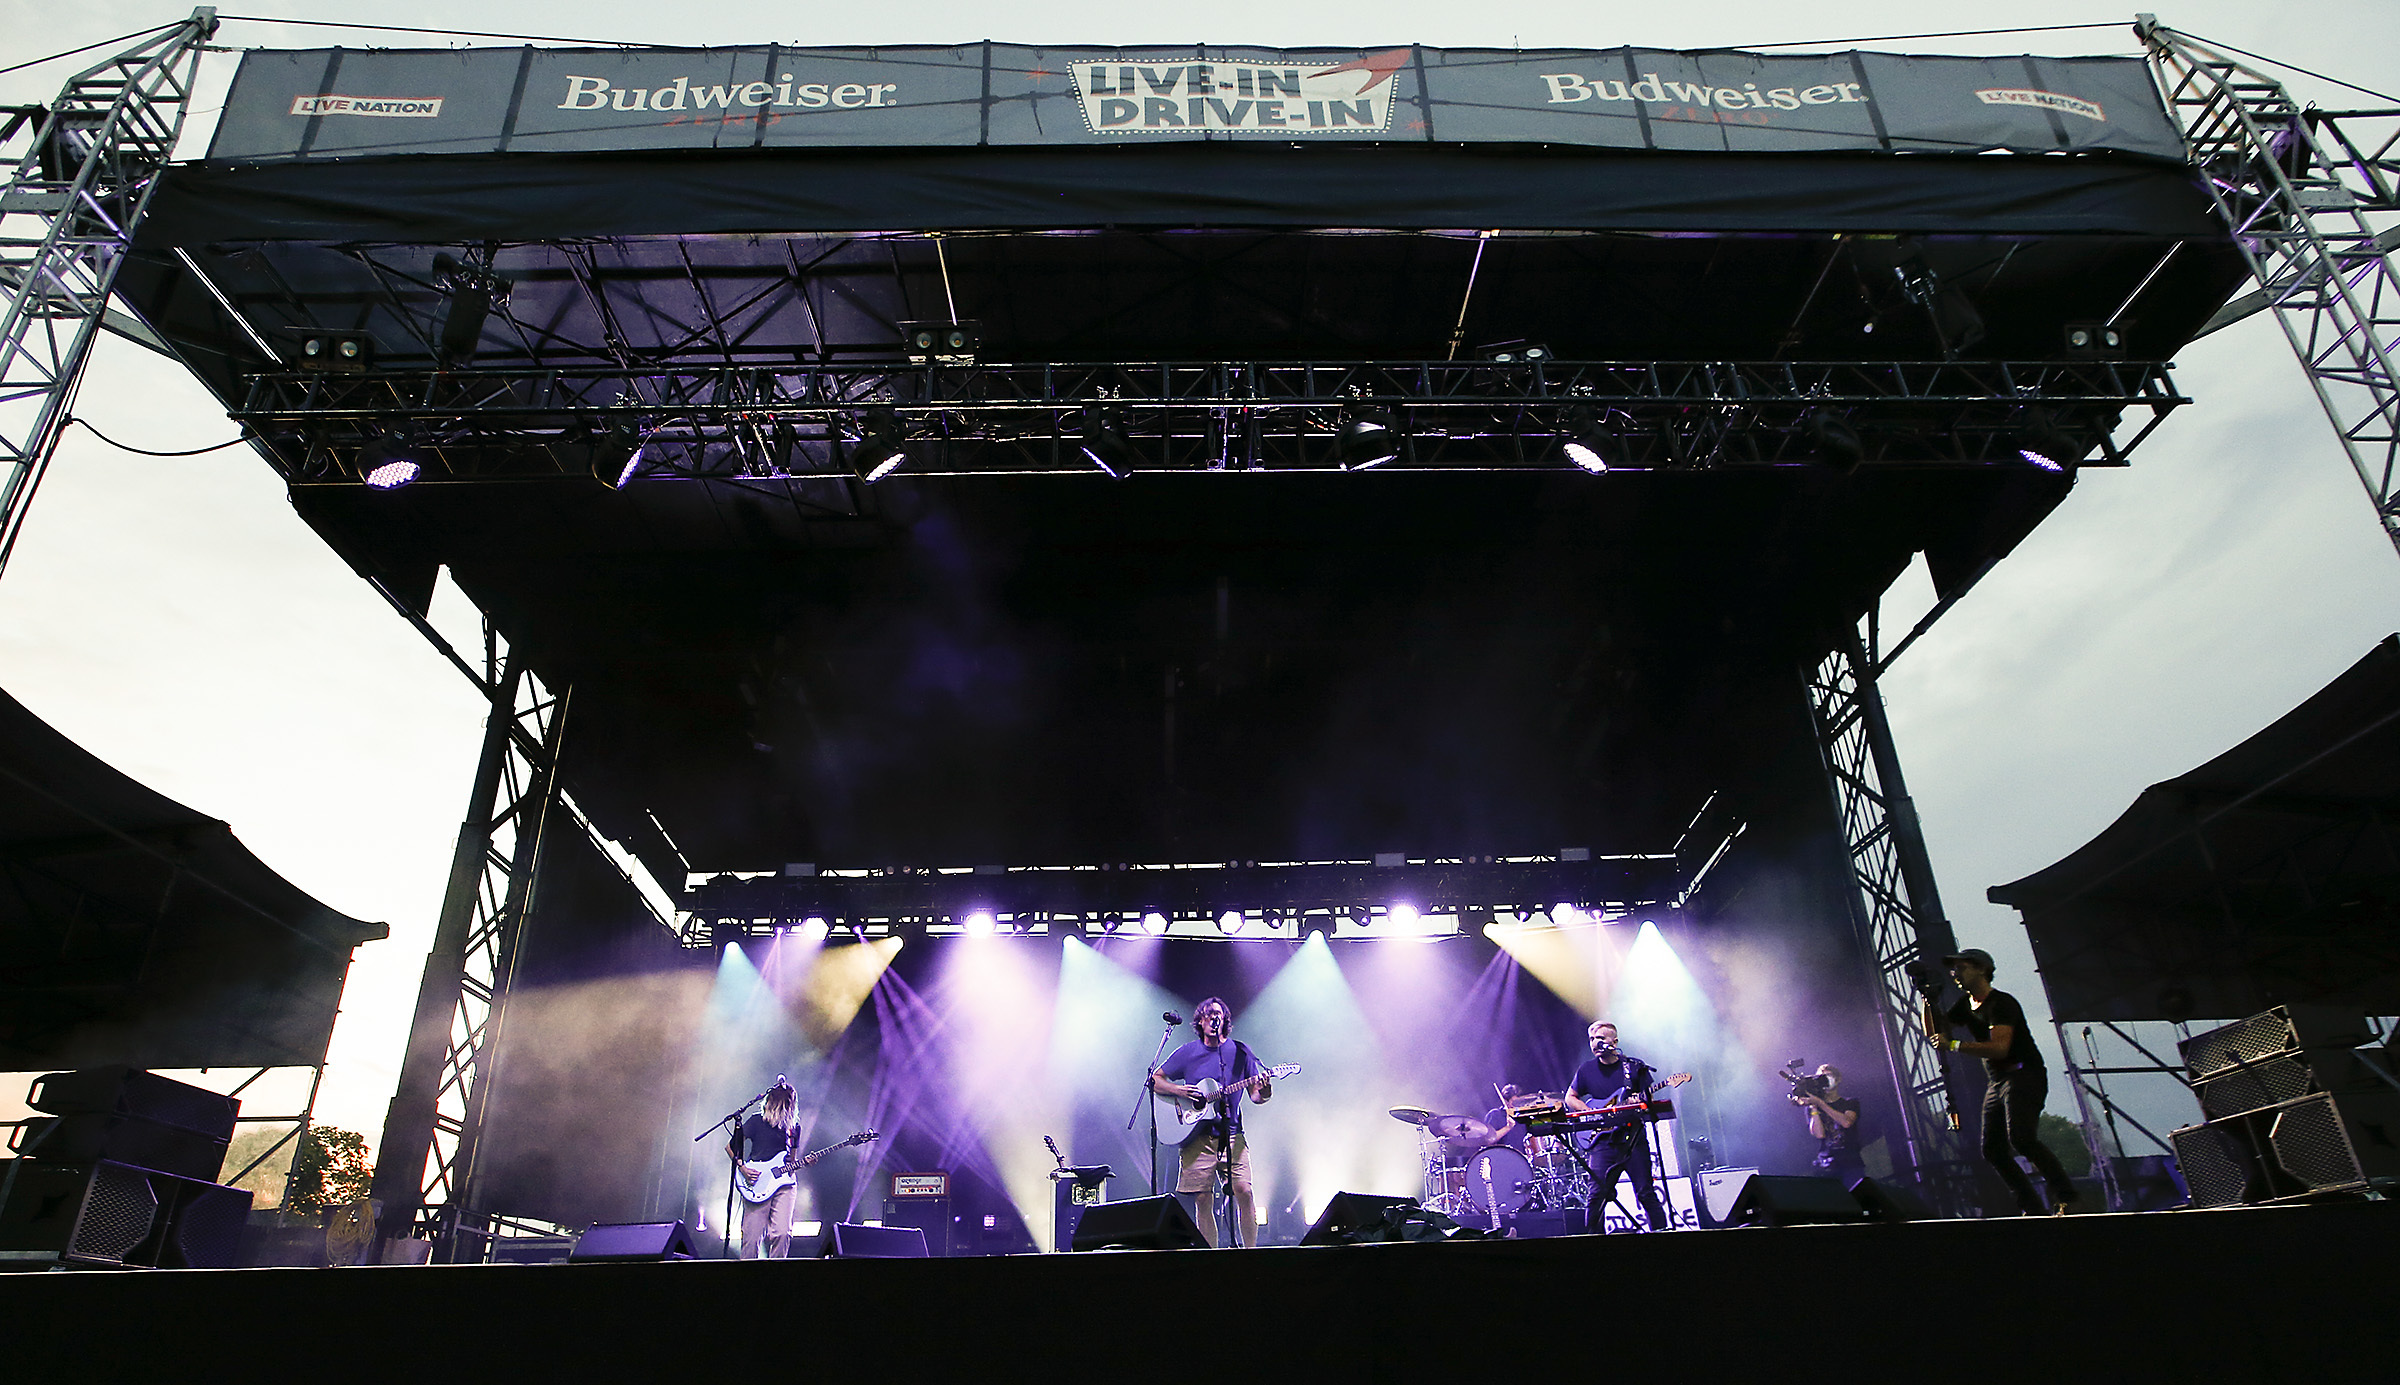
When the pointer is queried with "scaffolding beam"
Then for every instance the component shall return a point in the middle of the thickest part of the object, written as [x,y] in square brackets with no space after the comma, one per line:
[67,216]
[1896,910]
[2297,189]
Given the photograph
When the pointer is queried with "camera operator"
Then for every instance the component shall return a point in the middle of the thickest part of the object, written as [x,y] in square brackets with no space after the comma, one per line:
[1833,1120]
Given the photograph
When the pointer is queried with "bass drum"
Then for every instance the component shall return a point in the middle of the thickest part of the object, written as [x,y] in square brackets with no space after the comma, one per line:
[1499,1180]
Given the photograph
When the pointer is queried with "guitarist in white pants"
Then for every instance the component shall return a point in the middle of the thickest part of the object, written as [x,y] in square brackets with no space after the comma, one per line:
[1215,1055]
[767,1225]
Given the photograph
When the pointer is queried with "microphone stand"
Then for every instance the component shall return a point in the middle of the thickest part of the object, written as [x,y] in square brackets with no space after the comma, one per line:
[734,1124]
[1139,1103]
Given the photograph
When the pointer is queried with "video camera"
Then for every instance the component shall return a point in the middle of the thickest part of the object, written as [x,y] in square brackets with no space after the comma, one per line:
[1804,1083]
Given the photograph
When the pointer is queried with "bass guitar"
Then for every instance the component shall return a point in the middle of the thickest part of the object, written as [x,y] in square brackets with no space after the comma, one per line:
[760,1179]
[1179,1116]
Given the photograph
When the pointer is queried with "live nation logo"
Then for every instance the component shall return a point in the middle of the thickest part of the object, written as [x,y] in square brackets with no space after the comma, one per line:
[1276,98]
[2046,100]
[419,107]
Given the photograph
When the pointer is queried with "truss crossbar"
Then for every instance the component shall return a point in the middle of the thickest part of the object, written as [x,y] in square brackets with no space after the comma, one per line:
[1891,927]
[2297,189]
[67,216]
[479,425]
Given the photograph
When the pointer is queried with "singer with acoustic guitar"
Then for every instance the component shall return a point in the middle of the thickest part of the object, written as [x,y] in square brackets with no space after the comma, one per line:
[1212,1074]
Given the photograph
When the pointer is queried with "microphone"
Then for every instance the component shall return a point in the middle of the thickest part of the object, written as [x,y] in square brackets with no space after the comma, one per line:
[1171,1017]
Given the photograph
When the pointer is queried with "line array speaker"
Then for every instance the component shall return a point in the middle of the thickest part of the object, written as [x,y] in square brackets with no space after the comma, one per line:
[127,1091]
[2315,1145]
[114,1214]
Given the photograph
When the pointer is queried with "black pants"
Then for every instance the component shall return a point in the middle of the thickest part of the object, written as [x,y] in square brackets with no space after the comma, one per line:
[1845,1166]
[1627,1155]
[2012,1112]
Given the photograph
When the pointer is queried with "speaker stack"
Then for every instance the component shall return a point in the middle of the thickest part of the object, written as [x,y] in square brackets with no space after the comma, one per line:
[2290,1109]
[120,1170]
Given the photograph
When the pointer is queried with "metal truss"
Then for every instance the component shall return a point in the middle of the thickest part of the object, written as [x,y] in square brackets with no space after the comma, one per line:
[2297,189]
[471,425]
[1373,898]
[67,217]
[1897,909]
[425,1168]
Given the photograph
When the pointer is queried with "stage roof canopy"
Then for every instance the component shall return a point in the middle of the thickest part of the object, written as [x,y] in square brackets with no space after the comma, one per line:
[135,930]
[709,262]
[2268,875]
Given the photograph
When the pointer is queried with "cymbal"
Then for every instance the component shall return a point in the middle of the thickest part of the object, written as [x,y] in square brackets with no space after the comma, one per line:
[1414,1115]
[1461,1131]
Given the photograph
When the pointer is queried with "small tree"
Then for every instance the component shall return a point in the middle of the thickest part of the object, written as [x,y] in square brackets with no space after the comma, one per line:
[2065,1139]
[331,1170]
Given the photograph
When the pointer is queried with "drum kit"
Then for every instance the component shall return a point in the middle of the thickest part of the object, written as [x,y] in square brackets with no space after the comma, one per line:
[1470,1175]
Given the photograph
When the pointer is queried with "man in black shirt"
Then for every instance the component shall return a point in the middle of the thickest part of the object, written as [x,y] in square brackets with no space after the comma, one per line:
[2012,1103]
[1605,1078]
[1833,1119]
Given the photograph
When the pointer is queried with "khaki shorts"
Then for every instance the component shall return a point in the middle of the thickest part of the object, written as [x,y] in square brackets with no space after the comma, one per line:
[1197,1157]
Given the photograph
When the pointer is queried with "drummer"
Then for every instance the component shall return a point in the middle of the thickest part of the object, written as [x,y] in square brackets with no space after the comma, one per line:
[1506,1129]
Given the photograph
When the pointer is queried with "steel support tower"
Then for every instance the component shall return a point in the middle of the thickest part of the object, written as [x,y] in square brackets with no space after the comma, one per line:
[66,224]
[424,1173]
[2301,191]
[1897,909]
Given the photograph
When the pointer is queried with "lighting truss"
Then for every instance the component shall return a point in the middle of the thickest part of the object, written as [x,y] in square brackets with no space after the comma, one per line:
[1283,899]
[1896,907]
[734,421]
[2301,193]
[67,215]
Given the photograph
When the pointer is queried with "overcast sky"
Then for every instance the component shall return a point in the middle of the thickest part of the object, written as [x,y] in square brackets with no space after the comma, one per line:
[175,617]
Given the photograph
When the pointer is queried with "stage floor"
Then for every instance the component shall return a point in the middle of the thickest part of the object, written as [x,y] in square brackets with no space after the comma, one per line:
[2297,1293]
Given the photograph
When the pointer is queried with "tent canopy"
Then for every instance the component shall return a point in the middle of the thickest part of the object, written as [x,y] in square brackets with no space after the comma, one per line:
[2268,875]
[135,930]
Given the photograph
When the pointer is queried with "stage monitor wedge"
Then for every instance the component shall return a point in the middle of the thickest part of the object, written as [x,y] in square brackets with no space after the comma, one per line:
[632,1242]
[1142,1223]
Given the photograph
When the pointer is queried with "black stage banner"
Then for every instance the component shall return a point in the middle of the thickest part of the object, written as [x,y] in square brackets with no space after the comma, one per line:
[345,103]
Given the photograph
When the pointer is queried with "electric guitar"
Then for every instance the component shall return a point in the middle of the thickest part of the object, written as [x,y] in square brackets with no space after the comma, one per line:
[1179,1116]
[758,1180]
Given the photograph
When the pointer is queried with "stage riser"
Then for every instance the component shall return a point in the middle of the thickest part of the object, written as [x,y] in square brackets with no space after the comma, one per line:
[2110,1293]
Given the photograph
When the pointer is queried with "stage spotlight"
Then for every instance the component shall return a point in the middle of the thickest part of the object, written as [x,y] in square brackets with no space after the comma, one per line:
[944,343]
[980,923]
[1583,440]
[1514,353]
[2044,444]
[394,474]
[1154,923]
[348,352]
[1231,921]
[2095,341]
[1836,443]
[1366,439]
[1105,444]
[882,447]
[636,461]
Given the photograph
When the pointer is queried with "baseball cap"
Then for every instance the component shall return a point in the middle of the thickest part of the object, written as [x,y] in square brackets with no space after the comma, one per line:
[1976,955]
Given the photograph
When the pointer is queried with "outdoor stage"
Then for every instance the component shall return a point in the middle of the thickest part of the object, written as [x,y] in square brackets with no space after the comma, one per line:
[2257,1294]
